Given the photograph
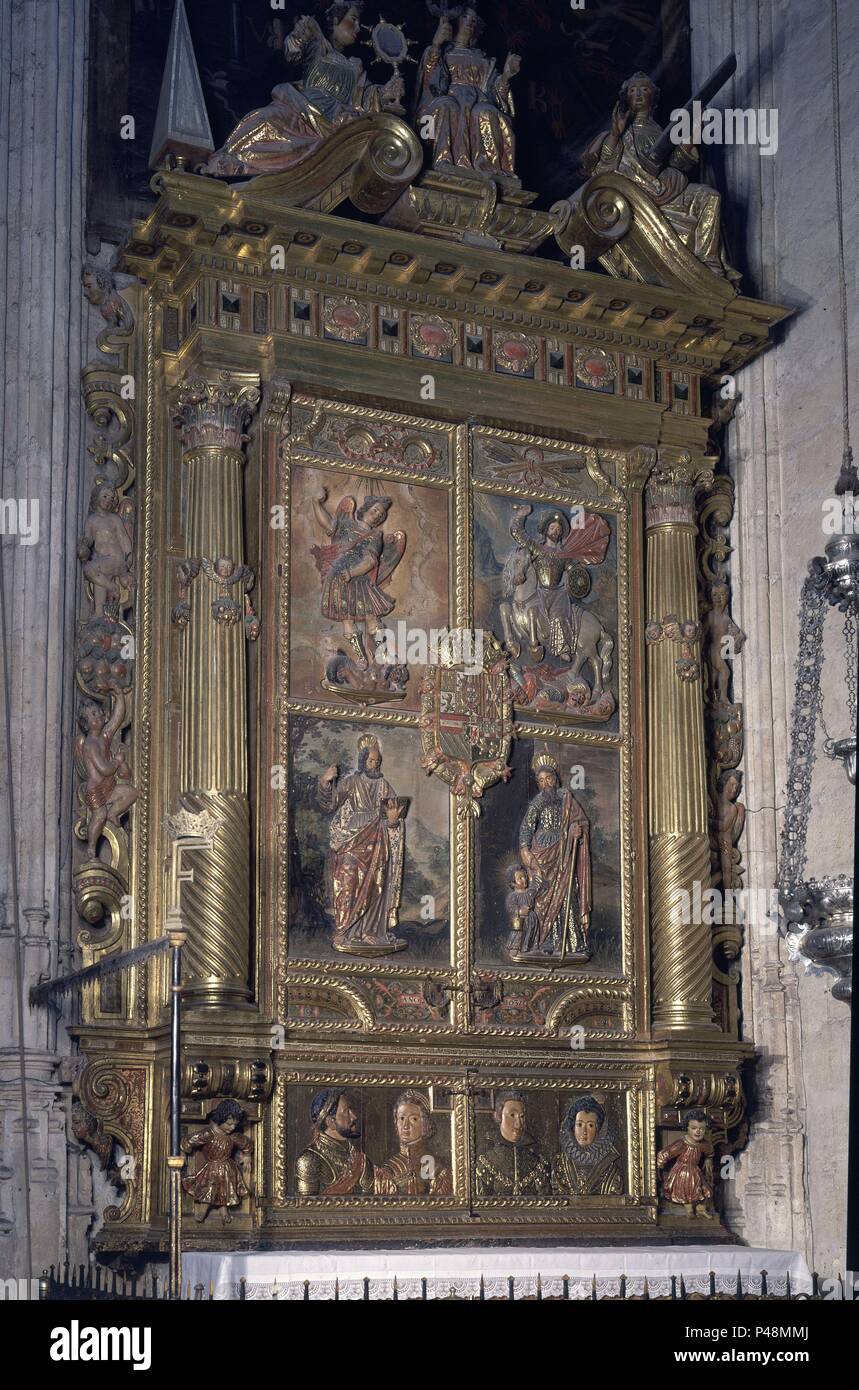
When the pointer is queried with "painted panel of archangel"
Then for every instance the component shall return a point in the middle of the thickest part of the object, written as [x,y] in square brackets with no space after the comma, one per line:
[546,583]
[369,845]
[368,586]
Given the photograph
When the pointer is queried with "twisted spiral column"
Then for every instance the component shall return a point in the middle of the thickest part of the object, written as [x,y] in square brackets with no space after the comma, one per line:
[212,414]
[681,947]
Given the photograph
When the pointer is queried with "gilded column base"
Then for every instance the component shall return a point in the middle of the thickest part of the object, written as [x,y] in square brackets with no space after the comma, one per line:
[216,903]
[682,952]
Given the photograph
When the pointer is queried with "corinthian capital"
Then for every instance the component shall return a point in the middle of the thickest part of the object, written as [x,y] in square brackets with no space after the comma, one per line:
[214,410]
[673,486]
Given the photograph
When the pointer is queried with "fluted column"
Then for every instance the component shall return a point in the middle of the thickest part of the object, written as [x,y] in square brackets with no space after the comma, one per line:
[679,846]
[212,414]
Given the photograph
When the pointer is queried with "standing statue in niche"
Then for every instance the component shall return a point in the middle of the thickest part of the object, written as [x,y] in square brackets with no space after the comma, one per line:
[722,639]
[367,837]
[589,1161]
[726,827]
[693,209]
[333,91]
[464,102]
[554,846]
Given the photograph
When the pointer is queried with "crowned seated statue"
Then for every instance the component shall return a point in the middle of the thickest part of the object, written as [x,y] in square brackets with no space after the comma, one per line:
[301,115]
[693,210]
[465,100]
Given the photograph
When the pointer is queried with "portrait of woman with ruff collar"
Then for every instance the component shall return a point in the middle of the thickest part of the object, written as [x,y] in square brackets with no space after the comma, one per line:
[589,1163]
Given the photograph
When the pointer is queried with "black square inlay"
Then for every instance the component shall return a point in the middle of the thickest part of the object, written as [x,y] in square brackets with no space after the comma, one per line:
[635,376]
[300,309]
[390,328]
[681,393]
[230,304]
[474,345]
[556,361]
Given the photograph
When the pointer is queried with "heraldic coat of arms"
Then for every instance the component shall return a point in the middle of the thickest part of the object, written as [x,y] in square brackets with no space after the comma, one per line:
[467,715]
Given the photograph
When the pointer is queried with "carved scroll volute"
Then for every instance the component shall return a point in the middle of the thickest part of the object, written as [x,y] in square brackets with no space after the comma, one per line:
[114,1096]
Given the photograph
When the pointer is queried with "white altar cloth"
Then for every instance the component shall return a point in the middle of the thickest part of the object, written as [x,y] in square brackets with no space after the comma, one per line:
[458,1272]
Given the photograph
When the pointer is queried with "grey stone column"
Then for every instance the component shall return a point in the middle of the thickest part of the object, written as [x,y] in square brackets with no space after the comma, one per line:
[42,180]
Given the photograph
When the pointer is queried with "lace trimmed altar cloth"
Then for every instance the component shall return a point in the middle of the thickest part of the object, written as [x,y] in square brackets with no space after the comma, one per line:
[356,1274]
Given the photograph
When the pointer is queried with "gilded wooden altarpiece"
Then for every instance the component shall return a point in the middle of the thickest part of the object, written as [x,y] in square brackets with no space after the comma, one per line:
[303,379]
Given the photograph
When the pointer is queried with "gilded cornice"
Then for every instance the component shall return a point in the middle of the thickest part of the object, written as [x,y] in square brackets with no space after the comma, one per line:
[200,224]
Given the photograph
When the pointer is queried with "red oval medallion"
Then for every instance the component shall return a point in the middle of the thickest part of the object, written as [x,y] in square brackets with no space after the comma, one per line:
[345,316]
[512,348]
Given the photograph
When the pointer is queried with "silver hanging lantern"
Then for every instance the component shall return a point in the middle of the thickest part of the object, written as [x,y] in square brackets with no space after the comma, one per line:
[817,914]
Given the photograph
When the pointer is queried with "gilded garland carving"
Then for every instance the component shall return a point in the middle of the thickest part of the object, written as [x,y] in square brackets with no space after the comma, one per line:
[105,645]
[723,642]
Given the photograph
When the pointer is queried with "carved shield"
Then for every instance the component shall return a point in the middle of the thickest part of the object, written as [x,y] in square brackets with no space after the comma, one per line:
[467,716]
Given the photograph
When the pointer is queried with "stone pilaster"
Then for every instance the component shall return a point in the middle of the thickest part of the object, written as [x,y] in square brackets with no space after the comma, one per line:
[43,88]
[212,414]
[677,789]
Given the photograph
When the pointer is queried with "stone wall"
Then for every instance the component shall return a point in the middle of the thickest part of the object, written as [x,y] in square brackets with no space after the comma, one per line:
[784,448]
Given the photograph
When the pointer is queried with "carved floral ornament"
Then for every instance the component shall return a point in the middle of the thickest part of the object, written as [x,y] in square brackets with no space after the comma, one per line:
[686,632]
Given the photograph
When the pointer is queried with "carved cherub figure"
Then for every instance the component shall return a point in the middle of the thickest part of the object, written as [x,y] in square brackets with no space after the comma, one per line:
[727,826]
[721,635]
[101,290]
[108,792]
[688,1180]
[106,548]
[220,1180]
[225,573]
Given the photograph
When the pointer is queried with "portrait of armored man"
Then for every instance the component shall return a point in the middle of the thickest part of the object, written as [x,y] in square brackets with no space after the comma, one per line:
[589,1162]
[369,845]
[368,1141]
[334,1164]
[511,1163]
